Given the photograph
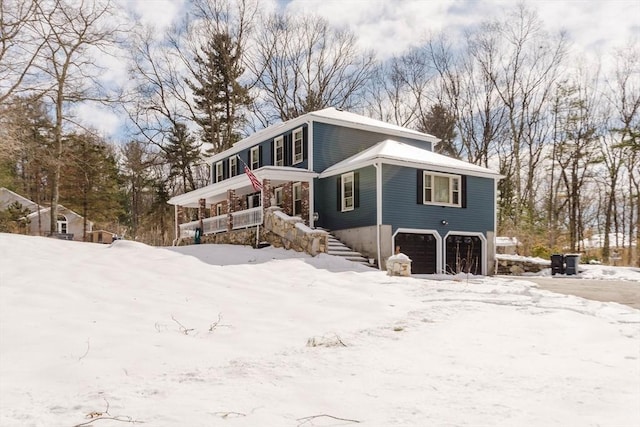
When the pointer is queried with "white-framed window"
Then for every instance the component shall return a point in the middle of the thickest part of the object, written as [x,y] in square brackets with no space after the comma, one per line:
[441,189]
[219,172]
[347,187]
[278,151]
[233,166]
[277,194]
[297,198]
[253,200]
[254,161]
[219,209]
[62,225]
[297,146]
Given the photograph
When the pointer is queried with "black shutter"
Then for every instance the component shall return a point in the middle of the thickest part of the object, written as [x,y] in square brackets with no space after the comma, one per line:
[356,189]
[259,156]
[339,193]
[305,147]
[273,152]
[463,191]
[420,186]
[225,169]
[286,141]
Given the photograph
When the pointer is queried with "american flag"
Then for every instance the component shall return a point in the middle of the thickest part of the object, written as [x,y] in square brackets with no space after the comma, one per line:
[254,180]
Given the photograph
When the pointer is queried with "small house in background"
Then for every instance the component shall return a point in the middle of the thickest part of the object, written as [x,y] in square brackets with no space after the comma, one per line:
[101,236]
[69,224]
[507,245]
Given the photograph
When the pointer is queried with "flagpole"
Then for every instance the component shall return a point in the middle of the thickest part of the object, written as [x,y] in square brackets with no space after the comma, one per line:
[255,183]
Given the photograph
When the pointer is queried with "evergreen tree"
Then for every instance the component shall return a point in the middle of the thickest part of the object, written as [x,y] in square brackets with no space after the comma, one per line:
[91,182]
[182,153]
[439,122]
[219,97]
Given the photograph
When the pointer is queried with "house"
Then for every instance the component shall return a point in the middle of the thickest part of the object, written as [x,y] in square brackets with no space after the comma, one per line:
[69,225]
[377,187]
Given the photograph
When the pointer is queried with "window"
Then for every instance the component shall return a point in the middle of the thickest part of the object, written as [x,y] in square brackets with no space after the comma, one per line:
[278,151]
[441,189]
[253,200]
[297,146]
[219,172]
[233,166]
[297,199]
[219,209]
[277,193]
[347,190]
[255,158]
[62,224]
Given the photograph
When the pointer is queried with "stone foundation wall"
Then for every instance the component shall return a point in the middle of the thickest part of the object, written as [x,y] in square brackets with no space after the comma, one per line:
[518,267]
[279,230]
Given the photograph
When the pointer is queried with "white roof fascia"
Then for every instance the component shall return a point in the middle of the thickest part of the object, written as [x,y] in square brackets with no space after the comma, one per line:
[374,154]
[192,198]
[372,125]
[329,116]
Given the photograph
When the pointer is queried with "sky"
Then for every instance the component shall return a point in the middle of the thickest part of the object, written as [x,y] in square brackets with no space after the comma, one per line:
[219,335]
[389,28]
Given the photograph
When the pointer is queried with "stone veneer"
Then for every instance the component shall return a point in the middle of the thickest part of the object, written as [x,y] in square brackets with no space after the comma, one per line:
[279,230]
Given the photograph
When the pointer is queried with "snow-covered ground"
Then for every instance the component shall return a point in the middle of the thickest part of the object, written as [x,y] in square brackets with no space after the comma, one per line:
[586,271]
[230,336]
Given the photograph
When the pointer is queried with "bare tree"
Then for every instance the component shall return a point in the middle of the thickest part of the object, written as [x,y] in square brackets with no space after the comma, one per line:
[73,34]
[302,65]
[20,44]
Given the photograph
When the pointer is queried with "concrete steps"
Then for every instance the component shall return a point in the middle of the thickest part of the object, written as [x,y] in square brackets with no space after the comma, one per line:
[336,248]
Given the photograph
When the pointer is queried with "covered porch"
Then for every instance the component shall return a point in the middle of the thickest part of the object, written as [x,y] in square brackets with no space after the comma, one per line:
[234,204]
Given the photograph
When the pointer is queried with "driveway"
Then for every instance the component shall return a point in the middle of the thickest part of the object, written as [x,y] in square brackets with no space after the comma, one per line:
[620,291]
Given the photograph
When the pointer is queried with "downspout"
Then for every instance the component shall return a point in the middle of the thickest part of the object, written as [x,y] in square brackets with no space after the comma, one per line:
[378,167]
[310,168]
[177,227]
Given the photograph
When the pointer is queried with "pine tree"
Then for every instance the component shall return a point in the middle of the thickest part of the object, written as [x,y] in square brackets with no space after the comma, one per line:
[182,153]
[439,122]
[219,97]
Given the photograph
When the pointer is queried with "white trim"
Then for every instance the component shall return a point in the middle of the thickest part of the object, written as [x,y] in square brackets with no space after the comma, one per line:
[276,191]
[451,178]
[483,239]
[343,207]
[219,173]
[233,166]
[440,249]
[254,157]
[293,146]
[293,197]
[310,145]
[378,167]
[276,141]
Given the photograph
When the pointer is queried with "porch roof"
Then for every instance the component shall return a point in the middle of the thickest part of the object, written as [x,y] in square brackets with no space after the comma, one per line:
[398,153]
[217,192]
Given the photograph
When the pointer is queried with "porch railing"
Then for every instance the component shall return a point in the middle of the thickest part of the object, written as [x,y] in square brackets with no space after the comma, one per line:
[247,218]
[217,224]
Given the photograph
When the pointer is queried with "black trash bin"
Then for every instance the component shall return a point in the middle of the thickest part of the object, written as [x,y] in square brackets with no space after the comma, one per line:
[572,261]
[557,264]
[197,236]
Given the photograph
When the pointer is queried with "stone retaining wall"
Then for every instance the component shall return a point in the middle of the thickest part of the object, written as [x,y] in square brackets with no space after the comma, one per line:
[518,267]
[279,230]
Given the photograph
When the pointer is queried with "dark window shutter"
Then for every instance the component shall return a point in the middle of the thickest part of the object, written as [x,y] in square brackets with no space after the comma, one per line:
[288,149]
[259,156]
[225,169]
[463,191]
[420,185]
[273,152]
[339,193]
[356,189]
[305,144]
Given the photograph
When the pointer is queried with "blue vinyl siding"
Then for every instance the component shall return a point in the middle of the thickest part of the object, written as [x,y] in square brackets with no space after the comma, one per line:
[401,210]
[326,202]
[267,155]
[332,144]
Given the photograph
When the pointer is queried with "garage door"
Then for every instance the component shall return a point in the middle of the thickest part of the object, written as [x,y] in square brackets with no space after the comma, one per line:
[463,254]
[421,248]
